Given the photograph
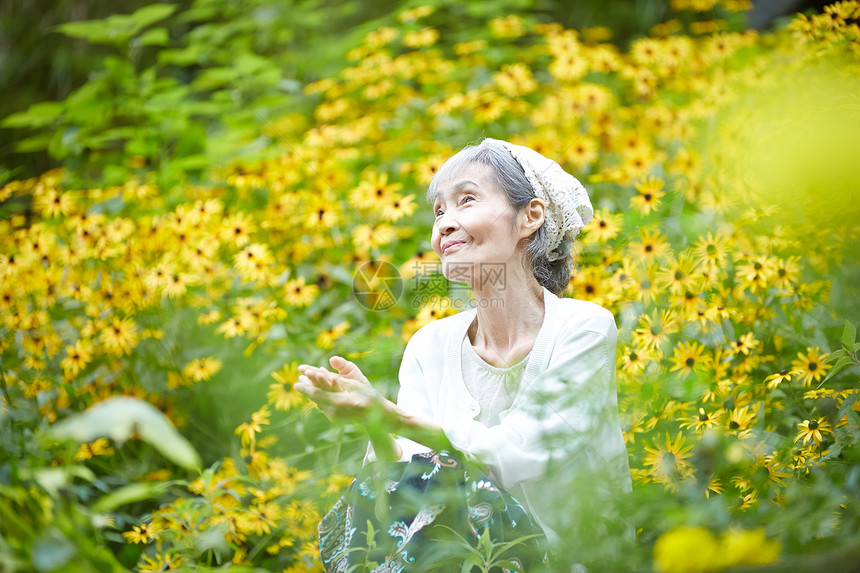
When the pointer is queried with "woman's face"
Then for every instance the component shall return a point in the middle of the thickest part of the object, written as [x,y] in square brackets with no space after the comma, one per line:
[473,226]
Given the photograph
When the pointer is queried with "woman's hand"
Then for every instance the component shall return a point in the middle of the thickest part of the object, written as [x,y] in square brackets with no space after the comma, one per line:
[344,395]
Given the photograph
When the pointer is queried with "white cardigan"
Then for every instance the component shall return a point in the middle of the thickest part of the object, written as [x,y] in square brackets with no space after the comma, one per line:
[564,416]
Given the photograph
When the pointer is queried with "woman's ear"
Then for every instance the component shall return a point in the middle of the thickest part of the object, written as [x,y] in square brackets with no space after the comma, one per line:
[534,214]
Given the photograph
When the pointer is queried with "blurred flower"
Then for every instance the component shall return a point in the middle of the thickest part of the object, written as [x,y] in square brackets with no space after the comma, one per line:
[650,191]
[298,293]
[202,368]
[747,547]
[77,357]
[99,447]
[669,462]
[120,336]
[702,420]
[687,550]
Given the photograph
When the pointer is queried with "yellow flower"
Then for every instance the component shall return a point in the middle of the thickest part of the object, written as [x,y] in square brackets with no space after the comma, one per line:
[702,420]
[139,534]
[281,394]
[422,38]
[399,207]
[177,284]
[813,430]
[119,337]
[757,273]
[249,430]
[297,293]
[740,419]
[687,357]
[202,368]
[507,27]
[655,329]
[634,360]
[326,338]
[665,463]
[687,550]
[515,80]
[604,226]
[680,276]
[100,447]
[232,327]
[237,229]
[253,263]
[747,547]
[651,245]
[377,39]
[650,192]
[321,213]
[77,357]
[415,13]
[368,237]
[811,366]
[744,344]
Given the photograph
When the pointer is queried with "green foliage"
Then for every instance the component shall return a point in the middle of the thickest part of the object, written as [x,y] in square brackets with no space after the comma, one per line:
[118,419]
[204,235]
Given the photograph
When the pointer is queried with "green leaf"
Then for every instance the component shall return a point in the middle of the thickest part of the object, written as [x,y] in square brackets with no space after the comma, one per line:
[52,479]
[119,28]
[835,355]
[52,550]
[843,362]
[154,37]
[214,77]
[129,494]
[152,14]
[38,142]
[37,115]
[96,31]
[849,335]
[120,417]
[846,405]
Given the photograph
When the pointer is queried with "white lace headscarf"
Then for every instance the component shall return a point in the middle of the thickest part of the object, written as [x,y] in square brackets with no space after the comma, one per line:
[568,208]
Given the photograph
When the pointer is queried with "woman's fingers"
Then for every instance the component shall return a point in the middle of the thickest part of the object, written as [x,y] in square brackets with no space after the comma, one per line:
[320,377]
[347,369]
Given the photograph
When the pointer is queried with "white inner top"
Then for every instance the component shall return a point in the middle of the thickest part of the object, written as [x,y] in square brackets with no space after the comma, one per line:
[492,387]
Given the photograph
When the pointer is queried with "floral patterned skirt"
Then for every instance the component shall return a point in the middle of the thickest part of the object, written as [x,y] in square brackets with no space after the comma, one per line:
[432,512]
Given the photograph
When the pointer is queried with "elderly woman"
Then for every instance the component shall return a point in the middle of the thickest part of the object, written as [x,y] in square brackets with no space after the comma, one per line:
[510,404]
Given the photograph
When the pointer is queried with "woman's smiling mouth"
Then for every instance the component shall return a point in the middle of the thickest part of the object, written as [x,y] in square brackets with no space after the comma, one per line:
[450,245]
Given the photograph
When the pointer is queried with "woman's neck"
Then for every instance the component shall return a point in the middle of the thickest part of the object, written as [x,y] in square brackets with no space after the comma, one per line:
[507,322]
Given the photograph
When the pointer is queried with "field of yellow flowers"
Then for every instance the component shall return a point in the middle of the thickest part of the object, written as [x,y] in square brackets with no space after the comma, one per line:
[151,326]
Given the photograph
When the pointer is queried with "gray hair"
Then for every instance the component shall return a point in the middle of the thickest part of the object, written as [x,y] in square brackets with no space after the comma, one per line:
[508,175]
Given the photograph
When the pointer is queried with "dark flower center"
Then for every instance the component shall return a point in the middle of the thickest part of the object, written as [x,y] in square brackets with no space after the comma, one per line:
[813,425]
[813,366]
[690,361]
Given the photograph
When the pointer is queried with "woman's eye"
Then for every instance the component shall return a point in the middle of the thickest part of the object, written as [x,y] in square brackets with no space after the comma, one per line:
[468,197]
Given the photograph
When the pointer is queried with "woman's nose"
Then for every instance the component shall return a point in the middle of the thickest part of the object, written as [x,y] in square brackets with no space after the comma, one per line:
[447,224]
